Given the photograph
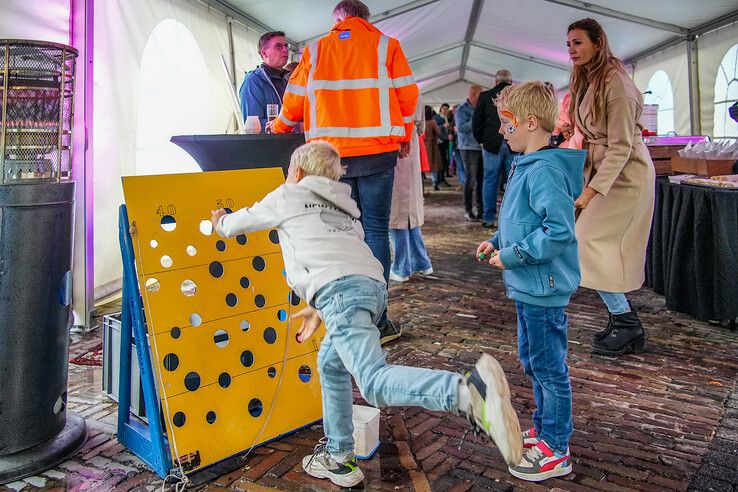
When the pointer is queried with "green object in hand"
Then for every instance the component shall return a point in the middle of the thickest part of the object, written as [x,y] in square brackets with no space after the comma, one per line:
[483,256]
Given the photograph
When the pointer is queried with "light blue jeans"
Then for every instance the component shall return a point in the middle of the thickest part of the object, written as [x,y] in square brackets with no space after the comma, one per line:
[410,253]
[350,307]
[616,302]
[493,163]
[542,349]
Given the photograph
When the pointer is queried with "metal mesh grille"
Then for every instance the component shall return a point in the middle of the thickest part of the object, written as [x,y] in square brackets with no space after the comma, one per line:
[36,112]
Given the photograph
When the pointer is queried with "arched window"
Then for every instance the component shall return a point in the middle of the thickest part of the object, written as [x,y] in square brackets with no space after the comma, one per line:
[174,98]
[726,94]
[660,93]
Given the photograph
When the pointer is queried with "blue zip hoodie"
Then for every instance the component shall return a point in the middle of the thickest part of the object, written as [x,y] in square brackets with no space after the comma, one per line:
[536,240]
[256,92]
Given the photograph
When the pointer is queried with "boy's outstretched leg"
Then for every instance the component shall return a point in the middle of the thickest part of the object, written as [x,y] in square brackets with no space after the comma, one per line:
[489,408]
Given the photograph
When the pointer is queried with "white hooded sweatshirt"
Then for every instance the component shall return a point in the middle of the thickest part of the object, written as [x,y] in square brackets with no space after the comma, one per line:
[321,237]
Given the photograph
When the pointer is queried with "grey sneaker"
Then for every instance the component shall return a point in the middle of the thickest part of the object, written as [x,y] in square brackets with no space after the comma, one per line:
[321,464]
[541,462]
[389,332]
[491,411]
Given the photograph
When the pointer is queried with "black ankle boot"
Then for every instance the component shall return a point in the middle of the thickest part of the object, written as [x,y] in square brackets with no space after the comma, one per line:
[602,334]
[626,336]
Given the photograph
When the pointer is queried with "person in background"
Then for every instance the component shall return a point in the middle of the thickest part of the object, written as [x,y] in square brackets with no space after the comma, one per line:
[496,154]
[341,61]
[407,216]
[430,139]
[566,135]
[441,119]
[536,249]
[454,152]
[471,154]
[616,206]
[328,264]
[266,84]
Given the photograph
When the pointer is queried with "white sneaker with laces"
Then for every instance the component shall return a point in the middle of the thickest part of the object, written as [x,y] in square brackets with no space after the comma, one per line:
[321,464]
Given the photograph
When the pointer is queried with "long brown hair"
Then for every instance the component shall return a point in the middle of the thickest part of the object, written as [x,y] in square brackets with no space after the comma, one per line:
[602,64]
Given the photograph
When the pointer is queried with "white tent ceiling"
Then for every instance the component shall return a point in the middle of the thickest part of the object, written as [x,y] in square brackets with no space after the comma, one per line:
[451,43]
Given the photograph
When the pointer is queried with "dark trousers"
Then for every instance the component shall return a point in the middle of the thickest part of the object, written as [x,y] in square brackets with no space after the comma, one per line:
[474,170]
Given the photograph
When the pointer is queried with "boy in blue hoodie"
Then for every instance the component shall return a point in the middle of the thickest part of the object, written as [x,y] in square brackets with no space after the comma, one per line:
[536,250]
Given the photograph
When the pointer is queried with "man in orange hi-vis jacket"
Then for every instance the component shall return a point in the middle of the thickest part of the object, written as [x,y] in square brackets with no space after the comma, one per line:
[354,88]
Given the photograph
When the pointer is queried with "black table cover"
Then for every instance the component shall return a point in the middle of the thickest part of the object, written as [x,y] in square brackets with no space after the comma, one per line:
[693,250]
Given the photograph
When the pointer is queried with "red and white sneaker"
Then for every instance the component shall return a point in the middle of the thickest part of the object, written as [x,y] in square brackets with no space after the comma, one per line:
[530,438]
[540,462]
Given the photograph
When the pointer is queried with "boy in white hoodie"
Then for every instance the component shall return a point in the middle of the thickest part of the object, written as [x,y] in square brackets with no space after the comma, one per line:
[330,266]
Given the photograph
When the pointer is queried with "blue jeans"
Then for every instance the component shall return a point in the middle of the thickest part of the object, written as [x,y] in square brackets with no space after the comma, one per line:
[542,349]
[492,165]
[616,302]
[460,171]
[410,253]
[373,195]
[350,307]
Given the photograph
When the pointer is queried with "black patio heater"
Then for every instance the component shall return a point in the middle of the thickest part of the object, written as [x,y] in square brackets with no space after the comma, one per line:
[36,229]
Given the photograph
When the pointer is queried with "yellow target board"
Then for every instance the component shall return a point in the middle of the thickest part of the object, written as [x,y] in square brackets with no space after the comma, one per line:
[228,366]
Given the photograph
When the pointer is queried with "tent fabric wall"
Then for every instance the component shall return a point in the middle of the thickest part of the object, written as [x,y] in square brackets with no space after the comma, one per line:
[674,62]
[21,19]
[123,30]
[711,48]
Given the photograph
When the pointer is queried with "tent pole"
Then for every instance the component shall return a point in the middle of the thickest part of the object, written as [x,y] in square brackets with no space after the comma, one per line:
[695,125]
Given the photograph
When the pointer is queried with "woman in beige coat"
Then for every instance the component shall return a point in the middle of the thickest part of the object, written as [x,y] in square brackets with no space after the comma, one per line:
[406,213]
[616,207]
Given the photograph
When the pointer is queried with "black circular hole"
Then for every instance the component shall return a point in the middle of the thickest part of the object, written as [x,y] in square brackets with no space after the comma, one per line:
[224,380]
[192,381]
[220,245]
[242,239]
[304,373]
[247,358]
[179,419]
[259,301]
[272,372]
[294,299]
[255,407]
[216,269]
[258,263]
[175,332]
[231,300]
[171,362]
[228,210]
[270,335]
[210,417]
[245,282]
[273,236]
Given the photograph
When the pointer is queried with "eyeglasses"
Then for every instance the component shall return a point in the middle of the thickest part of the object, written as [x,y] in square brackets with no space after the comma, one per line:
[281,46]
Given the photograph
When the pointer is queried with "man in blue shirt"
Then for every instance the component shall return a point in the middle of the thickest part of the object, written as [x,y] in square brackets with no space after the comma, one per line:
[266,84]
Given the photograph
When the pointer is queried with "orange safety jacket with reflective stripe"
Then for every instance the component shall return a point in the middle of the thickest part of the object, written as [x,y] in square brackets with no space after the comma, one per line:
[353,88]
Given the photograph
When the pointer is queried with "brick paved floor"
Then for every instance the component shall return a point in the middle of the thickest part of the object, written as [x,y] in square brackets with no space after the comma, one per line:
[663,420]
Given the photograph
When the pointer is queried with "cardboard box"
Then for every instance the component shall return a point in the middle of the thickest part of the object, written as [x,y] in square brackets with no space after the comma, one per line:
[703,167]
[366,431]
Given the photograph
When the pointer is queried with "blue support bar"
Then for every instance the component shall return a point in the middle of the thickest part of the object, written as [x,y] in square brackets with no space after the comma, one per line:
[148,443]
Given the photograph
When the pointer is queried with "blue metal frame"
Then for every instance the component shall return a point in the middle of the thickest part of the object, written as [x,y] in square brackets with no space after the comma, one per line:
[147,442]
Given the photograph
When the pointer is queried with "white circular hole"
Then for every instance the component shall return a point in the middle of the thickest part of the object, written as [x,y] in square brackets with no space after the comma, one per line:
[166,261]
[153,243]
[189,288]
[195,319]
[152,285]
[245,325]
[206,227]
[191,250]
[168,223]
[221,338]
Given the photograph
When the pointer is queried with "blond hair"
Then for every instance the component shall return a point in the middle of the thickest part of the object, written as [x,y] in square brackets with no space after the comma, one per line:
[318,159]
[532,98]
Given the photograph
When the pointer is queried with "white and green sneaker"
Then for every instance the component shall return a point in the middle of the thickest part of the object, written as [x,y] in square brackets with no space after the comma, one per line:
[321,464]
[491,411]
